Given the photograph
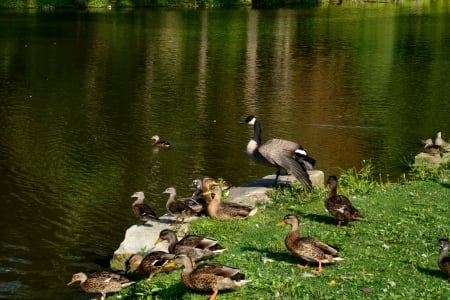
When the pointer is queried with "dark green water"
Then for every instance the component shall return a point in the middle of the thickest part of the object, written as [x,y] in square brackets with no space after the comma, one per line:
[82,92]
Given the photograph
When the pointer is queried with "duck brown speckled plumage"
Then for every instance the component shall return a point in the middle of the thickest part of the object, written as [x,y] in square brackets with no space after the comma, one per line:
[142,211]
[307,248]
[339,205]
[101,282]
[178,209]
[209,276]
[194,246]
[152,263]
[227,210]
[444,259]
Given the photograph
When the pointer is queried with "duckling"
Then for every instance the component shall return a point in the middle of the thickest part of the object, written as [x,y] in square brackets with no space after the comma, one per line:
[227,210]
[176,208]
[194,246]
[307,248]
[160,144]
[210,276]
[101,282]
[142,211]
[281,154]
[444,259]
[339,205]
[152,263]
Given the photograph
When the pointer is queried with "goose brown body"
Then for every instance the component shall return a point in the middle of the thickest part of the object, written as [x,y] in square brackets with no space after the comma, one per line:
[101,282]
[339,205]
[279,153]
[209,276]
[194,246]
[307,248]
[444,259]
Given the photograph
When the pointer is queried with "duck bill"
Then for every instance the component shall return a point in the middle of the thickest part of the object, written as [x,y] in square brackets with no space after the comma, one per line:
[281,223]
[72,281]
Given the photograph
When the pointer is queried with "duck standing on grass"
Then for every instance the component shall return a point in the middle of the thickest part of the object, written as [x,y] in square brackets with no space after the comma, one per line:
[209,276]
[444,259]
[142,211]
[101,282]
[227,210]
[339,205]
[307,248]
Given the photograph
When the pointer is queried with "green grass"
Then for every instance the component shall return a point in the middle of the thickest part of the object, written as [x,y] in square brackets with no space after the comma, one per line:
[393,255]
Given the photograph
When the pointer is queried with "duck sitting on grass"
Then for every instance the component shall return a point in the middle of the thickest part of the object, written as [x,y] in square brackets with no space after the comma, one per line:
[307,248]
[209,276]
[101,282]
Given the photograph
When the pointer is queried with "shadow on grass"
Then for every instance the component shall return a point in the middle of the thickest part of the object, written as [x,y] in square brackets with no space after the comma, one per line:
[277,256]
[432,272]
[446,185]
[320,218]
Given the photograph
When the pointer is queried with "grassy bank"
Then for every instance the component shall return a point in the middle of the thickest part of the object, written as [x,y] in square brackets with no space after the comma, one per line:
[393,255]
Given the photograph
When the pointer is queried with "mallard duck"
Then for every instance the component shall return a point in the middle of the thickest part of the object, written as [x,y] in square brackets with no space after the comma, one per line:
[339,205]
[227,210]
[444,259]
[101,282]
[160,144]
[141,210]
[281,154]
[307,248]
[195,246]
[152,263]
[178,209]
[209,276]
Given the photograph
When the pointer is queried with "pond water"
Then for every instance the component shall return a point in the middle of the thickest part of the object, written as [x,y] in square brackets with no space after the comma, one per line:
[82,92]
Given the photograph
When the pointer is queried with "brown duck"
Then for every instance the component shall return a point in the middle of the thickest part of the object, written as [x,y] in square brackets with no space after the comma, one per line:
[142,211]
[227,210]
[444,259]
[209,276]
[101,282]
[178,209]
[339,205]
[194,246]
[152,263]
[307,248]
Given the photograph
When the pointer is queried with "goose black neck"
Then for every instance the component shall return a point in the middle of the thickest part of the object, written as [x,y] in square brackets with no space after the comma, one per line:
[257,132]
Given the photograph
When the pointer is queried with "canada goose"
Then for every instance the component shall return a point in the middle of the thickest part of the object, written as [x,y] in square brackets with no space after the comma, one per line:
[141,210]
[101,282]
[339,205]
[194,246]
[278,153]
[444,259]
[209,276]
[178,209]
[307,248]
[160,144]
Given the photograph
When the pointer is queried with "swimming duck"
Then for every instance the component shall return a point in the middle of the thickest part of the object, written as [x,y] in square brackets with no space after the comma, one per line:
[160,144]
[227,210]
[178,209]
[141,210]
[210,276]
[194,246]
[444,259]
[281,154]
[339,205]
[307,248]
[152,263]
[101,282]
